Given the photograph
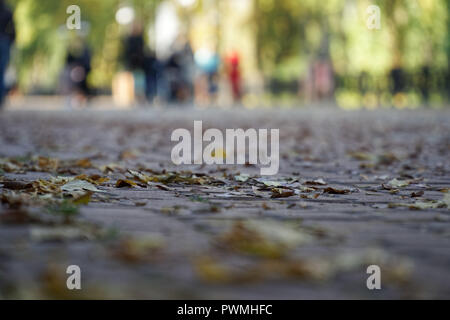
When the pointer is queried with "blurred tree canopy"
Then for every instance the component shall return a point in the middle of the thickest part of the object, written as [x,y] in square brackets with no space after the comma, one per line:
[289,35]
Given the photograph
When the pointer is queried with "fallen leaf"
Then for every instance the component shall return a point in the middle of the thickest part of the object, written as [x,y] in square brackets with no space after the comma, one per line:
[83,199]
[395,183]
[137,249]
[211,270]
[417,194]
[317,182]
[8,166]
[331,190]
[446,200]
[94,179]
[16,185]
[84,163]
[129,154]
[242,177]
[386,159]
[15,200]
[281,193]
[304,189]
[112,167]
[423,205]
[170,210]
[362,156]
[269,183]
[258,192]
[140,176]
[47,164]
[79,185]
[123,183]
[269,240]
[163,187]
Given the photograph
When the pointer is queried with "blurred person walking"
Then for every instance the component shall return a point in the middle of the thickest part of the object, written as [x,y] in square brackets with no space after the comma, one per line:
[134,46]
[7,37]
[179,71]
[234,75]
[206,84]
[78,67]
[134,59]
[152,71]
[320,82]
[146,69]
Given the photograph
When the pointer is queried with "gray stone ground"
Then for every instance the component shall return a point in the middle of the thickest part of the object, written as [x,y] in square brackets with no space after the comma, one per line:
[210,236]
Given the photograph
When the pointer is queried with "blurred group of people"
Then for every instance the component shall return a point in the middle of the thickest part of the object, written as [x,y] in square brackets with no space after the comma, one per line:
[183,76]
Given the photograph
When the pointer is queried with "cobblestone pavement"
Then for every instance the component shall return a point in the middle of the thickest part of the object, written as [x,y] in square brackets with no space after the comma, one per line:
[354,189]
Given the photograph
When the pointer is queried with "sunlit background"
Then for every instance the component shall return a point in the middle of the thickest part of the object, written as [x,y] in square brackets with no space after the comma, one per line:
[254,53]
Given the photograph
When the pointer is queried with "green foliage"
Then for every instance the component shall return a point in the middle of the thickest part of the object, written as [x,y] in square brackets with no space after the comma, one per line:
[43,39]
[413,34]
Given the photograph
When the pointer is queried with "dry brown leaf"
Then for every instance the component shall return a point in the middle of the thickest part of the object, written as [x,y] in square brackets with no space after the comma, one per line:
[48,164]
[331,190]
[16,185]
[417,194]
[282,193]
[122,183]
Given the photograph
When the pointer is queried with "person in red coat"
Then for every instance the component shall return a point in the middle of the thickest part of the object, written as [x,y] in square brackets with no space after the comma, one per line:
[234,75]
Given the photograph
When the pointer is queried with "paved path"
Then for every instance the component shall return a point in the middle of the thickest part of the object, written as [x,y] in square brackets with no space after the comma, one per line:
[213,232]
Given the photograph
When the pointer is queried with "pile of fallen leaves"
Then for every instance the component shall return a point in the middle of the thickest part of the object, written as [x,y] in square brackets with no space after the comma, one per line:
[272,244]
[55,200]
